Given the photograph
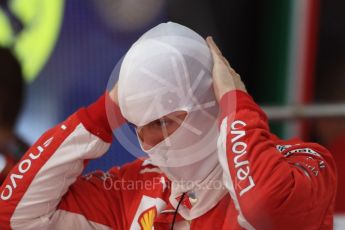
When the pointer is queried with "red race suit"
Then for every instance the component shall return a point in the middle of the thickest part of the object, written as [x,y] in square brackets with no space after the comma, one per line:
[271,183]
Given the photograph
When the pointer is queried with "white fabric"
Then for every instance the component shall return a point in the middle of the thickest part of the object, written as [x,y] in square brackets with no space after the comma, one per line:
[339,221]
[2,162]
[207,194]
[169,69]
[182,225]
[41,198]
[146,203]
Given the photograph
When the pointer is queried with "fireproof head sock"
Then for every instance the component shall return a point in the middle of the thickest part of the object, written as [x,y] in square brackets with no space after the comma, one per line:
[169,69]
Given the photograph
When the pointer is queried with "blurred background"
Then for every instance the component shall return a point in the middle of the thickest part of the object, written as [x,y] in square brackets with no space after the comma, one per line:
[57,56]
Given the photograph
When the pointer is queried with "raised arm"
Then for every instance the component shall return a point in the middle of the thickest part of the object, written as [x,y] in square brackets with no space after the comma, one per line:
[273,183]
[32,191]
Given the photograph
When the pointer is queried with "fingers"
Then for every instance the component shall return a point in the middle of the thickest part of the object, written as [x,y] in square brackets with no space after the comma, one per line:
[216,53]
[226,77]
[214,48]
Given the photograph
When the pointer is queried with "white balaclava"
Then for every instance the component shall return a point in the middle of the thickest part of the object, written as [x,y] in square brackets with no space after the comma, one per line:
[169,69]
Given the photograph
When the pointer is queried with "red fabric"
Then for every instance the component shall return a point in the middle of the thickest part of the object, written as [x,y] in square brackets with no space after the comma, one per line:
[287,183]
[293,185]
[24,179]
[96,119]
[235,101]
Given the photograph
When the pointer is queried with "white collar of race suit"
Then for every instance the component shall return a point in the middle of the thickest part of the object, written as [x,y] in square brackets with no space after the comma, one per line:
[201,198]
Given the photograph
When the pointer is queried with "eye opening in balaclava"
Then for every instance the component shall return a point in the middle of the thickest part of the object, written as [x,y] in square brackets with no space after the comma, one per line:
[160,130]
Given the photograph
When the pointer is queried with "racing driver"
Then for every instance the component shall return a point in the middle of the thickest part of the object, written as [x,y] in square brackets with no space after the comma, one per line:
[212,162]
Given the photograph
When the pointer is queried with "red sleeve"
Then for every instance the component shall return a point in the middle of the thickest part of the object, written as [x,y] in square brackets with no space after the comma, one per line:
[95,198]
[30,195]
[101,117]
[273,183]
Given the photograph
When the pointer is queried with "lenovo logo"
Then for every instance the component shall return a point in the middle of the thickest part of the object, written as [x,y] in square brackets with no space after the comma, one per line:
[22,168]
[244,180]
